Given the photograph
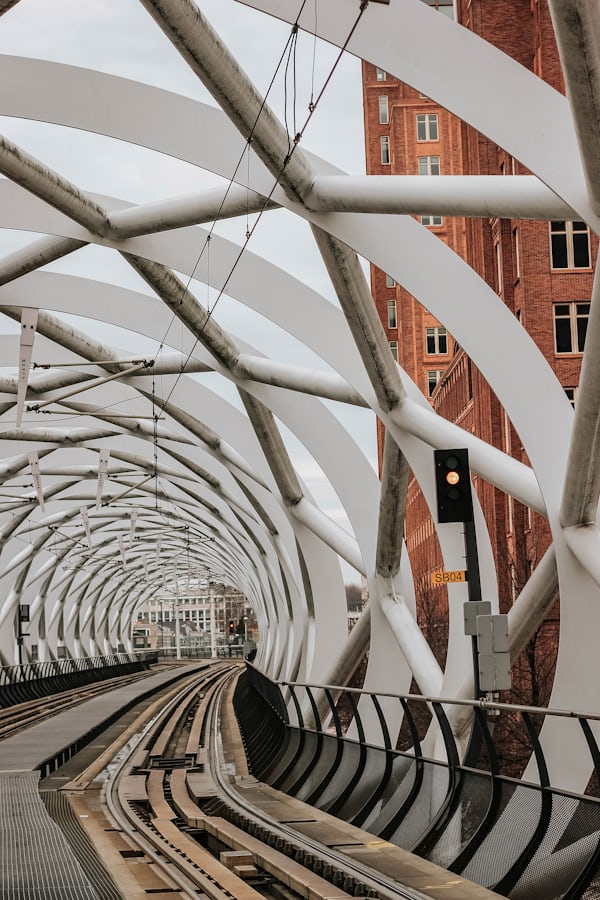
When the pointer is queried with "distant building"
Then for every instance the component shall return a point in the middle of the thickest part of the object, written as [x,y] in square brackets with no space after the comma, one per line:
[198,604]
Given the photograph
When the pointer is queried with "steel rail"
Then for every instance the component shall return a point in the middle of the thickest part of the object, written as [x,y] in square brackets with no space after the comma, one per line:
[157,850]
[166,857]
[387,888]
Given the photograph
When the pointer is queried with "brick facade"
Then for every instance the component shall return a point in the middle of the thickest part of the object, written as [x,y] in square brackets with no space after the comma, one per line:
[514,258]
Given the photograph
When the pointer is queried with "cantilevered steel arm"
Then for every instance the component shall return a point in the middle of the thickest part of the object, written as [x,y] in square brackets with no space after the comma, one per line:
[511,197]
[191,209]
[210,59]
[577,29]
[582,476]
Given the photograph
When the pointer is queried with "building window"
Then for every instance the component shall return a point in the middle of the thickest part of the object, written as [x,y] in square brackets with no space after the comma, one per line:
[381,75]
[498,255]
[516,254]
[385,150]
[431,220]
[571,393]
[389,281]
[392,318]
[429,165]
[394,349]
[384,116]
[433,377]
[570,326]
[569,245]
[443,6]
[427,127]
[436,341]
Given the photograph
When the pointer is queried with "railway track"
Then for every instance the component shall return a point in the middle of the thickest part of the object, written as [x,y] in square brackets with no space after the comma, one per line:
[176,799]
[23,715]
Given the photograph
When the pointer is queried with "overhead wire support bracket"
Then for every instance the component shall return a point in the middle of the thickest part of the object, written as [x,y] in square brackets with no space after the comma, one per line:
[86,386]
[29,319]
[148,363]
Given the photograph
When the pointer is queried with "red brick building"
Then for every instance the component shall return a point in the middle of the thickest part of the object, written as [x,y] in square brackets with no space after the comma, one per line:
[541,270]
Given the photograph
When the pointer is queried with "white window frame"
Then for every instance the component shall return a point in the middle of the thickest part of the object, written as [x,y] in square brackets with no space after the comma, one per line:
[568,232]
[431,384]
[394,349]
[381,75]
[384,109]
[384,146]
[498,258]
[574,315]
[389,281]
[430,123]
[429,164]
[392,313]
[432,221]
[517,251]
[439,334]
[571,393]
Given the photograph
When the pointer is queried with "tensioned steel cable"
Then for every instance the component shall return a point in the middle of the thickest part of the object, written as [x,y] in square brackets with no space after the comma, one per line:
[294,144]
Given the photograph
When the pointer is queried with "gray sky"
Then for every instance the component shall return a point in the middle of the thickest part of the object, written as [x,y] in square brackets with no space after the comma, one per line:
[119,37]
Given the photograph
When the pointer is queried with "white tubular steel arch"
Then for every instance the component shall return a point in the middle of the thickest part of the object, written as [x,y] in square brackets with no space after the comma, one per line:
[206,435]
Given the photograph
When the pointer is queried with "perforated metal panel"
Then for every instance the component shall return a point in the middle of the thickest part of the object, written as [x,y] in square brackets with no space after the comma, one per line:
[36,861]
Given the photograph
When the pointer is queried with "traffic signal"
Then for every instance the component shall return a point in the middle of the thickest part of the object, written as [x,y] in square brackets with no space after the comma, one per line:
[453,484]
[231,626]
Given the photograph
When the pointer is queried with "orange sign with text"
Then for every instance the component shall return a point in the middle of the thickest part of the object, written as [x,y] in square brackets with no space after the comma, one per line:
[448,577]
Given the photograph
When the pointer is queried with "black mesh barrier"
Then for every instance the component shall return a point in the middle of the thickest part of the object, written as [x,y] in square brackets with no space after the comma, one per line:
[564,852]
[434,789]
[339,785]
[401,790]
[470,808]
[20,684]
[301,769]
[592,892]
[525,840]
[507,838]
[264,730]
[321,770]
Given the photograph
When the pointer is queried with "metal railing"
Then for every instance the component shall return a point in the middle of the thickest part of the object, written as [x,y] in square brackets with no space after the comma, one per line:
[31,681]
[393,766]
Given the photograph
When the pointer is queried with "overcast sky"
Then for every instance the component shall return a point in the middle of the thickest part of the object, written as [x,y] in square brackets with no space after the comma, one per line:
[119,37]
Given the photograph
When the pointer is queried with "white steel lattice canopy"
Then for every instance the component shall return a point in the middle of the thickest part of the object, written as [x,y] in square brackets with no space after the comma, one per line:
[139,426]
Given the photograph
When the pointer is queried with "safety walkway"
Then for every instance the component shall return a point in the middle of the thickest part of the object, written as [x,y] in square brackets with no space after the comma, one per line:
[37,862]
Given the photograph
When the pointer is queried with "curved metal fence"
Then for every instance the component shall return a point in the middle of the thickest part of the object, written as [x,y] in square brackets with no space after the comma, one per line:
[19,684]
[394,766]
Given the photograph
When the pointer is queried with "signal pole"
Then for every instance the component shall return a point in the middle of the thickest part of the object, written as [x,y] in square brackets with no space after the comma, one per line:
[455,504]
[489,633]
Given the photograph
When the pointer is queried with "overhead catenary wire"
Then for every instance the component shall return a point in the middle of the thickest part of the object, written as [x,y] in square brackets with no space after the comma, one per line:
[292,147]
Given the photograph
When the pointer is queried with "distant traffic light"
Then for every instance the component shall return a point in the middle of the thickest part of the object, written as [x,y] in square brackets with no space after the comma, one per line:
[231,626]
[453,484]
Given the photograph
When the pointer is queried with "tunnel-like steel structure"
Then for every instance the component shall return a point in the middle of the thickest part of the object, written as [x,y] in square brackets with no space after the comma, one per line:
[124,470]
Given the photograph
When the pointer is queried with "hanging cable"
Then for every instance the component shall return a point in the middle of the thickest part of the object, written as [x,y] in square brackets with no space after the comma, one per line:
[286,161]
[155,439]
[231,182]
[311,103]
[207,276]
[248,190]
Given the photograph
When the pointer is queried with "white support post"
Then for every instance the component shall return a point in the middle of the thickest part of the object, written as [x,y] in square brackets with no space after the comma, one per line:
[34,465]
[86,525]
[122,551]
[133,524]
[213,624]
[102,473]
[29,319]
